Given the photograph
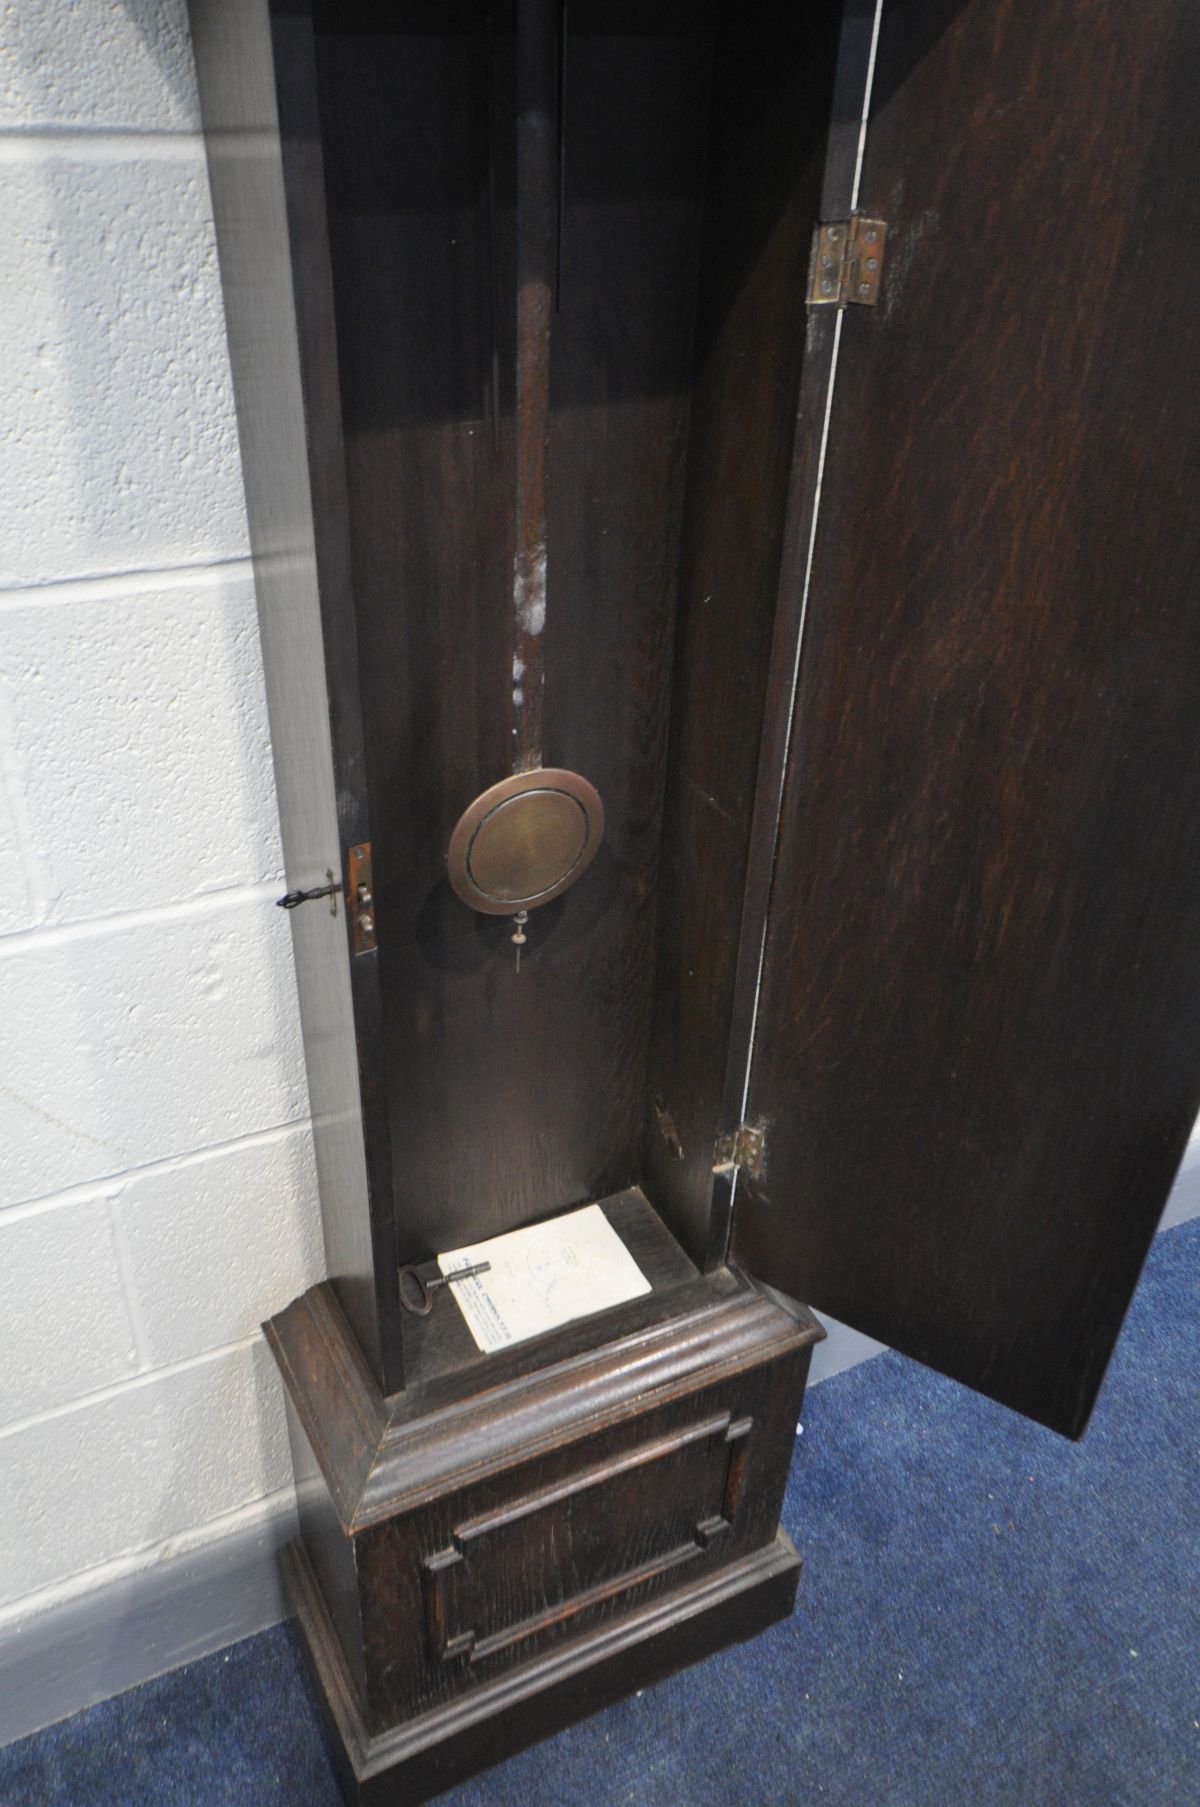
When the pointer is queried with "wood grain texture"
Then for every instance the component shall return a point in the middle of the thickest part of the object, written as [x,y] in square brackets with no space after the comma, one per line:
[413,1762]
[378,1455]
[772,93]
[978,1052]
[510,1096]
[458,1539]
[630,1511]
[582,1558]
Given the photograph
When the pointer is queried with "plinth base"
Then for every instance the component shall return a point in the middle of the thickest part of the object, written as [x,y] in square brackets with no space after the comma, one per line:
[518,1539]
[414,1761]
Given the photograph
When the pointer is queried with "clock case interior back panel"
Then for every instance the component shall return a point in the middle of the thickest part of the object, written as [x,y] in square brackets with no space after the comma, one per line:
[690,162]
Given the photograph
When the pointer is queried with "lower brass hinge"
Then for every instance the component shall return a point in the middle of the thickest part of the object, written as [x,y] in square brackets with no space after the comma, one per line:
[847,262]
[743,1147]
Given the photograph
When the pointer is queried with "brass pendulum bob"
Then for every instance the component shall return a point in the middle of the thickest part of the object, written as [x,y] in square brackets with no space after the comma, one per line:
[524,841]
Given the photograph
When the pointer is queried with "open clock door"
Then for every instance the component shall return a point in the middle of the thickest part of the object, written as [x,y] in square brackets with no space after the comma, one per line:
[977,1046]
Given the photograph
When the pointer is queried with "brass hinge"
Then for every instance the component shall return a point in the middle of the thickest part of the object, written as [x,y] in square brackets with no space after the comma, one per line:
[743,1147]
[847,262]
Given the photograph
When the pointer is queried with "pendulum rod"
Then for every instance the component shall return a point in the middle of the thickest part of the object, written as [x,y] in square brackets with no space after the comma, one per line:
[562,157]
[538,156]
[537,222]
[493,305]
[525,840]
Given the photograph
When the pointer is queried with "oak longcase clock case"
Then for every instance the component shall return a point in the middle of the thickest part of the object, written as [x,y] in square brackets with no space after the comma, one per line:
[723,494]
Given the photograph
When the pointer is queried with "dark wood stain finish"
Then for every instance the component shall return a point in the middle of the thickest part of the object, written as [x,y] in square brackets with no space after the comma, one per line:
[760,379]
[978,1048]
[634,200]
[852,76]
[256,87]
[969,837]
[506,1519]
[413,1761]
[511,1095]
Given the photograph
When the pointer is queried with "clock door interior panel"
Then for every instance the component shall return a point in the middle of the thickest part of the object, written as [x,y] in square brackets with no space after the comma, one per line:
[978,1005]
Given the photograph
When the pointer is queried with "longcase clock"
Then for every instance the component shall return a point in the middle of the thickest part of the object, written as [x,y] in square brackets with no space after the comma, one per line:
[723,492]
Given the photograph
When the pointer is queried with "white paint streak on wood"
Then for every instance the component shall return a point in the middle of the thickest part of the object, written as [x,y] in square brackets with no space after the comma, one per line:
[529,592]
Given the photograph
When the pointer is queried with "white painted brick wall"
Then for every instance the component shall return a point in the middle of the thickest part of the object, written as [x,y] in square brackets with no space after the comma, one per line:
[157,1189]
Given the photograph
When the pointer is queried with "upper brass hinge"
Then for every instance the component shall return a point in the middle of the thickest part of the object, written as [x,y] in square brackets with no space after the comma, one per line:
[847,262]
[743,1147]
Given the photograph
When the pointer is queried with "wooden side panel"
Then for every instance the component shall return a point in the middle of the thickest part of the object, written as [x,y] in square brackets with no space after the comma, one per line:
[511,1095]
[772,92]
[276,330]
[978,1047]
[330,1552]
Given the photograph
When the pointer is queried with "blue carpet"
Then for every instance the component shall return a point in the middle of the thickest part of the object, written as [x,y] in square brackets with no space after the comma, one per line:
[987,1615]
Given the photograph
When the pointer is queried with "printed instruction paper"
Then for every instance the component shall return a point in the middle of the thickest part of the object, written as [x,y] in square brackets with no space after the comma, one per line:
[543,1277]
